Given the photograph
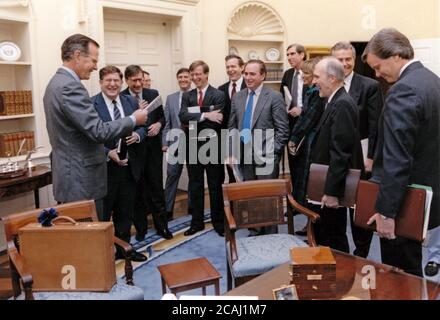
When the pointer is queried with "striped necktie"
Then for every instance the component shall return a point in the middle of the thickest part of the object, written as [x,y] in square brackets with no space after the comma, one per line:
[247,119]
[116,112]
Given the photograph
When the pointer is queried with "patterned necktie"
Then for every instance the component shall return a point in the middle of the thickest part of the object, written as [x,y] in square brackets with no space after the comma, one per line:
[116,112]
[234,89]
[294,89]
[247,119]
[200,98]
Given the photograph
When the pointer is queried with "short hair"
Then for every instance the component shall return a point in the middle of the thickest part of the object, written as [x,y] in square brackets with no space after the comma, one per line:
[298,48]
[389,42]
[145,72]
[199,63]
[309,65]
[182,70]
[234,56]
[334,67]
[262,65]
[76,42]
[343,45]
[109,70]
[132,70]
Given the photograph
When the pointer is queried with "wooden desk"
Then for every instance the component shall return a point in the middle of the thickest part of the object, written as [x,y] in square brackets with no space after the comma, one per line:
[350,271]
[189,274]
[39,177]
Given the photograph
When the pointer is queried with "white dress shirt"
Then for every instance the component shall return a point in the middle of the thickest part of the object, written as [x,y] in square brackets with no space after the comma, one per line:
[239,83]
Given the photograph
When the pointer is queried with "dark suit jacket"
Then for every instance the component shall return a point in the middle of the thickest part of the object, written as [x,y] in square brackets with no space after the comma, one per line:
[408,146]
[337,142]
[287,80]
[135,154]
[367,94]
[225,88]
[213,97]
[155,116]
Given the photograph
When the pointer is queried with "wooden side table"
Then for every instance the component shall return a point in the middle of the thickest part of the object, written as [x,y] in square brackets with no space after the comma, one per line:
[188,275]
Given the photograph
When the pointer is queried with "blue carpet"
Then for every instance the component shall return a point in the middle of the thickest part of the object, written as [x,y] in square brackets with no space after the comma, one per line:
[211,246]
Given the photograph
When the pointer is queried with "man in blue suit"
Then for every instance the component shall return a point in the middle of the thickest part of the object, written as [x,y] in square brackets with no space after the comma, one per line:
[124,155]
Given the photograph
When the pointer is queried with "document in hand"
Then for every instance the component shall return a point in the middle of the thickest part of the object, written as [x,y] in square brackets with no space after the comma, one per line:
[287,97]
[153,105]
[413,218]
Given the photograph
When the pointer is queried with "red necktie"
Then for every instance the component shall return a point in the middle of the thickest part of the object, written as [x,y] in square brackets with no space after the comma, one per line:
[200,98]
[234,89]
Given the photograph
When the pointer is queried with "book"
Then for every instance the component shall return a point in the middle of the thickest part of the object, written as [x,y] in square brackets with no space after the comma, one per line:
[413,218]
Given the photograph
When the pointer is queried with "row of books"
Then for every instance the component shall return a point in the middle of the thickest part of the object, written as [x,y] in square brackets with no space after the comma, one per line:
[15,102]
[10,143]
[274,74]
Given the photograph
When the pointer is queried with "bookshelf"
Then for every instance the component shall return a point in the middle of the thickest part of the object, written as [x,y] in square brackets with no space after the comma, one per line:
[16,85]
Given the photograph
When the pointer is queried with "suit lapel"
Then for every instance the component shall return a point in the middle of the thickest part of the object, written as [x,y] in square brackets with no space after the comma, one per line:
[262,99]
[102,109]
[355,88]
[125,105]
[241,107]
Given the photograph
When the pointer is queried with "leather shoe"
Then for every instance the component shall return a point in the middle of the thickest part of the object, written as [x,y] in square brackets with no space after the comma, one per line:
[220,232]
[138,257]
[431,268]
[169,216]
[139,237]
[192,231]
[165,233]
[302,232]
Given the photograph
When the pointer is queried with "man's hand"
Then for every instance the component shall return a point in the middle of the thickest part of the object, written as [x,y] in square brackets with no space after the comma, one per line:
[368,165]
[295,112]
[113,154]
[132,139]
[143,104]
[154,129]
[330,202]
[292,147]
[164,148]
[141,117]
[385,227]
[214,116]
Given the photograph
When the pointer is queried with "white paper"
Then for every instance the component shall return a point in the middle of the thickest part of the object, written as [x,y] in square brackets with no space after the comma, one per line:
[153,105]
[287,97]
[428,199]
[194,109]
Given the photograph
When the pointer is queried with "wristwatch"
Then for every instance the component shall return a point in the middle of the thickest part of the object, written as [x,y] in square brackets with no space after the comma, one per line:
[384,217]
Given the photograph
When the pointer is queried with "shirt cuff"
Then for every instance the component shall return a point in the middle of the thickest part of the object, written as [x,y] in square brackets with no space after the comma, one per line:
[202,117]
[133,118]
[138,137]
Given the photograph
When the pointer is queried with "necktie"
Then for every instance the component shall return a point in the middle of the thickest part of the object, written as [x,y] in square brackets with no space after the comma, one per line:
[234,89]
[247,119]
[294,89]
[116,113]
[200,98]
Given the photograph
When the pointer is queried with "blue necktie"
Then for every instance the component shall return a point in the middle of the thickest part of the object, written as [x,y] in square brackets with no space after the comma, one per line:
[247,119]
[116,113]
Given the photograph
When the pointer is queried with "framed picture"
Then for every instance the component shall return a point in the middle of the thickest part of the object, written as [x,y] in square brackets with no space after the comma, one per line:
[313,51]
[285,293]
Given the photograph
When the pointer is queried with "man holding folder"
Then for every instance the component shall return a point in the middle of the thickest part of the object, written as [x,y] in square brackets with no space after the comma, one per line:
[408,145]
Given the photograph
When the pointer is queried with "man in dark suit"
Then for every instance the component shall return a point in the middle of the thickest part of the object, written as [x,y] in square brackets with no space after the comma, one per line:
[123,167]
[202,109]
[150,188]
[259,108]
[234,69]
[408,145]
[367,94]
[337,145]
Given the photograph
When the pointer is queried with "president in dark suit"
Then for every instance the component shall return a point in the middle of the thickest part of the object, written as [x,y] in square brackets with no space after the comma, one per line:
[234,68]
[367,94]
[337,145]
[151,185]
[202,109]
[124,167]
[408,146]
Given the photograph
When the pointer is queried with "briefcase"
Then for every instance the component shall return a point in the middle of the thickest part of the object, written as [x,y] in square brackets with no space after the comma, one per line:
[73,256]
[313,272]
[412,220]
[316,185]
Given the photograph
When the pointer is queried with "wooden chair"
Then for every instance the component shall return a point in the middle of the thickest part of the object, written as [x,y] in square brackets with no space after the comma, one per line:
[255,204]
[22,277]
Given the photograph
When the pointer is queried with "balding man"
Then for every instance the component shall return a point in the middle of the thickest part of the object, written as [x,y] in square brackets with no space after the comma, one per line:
[337,145]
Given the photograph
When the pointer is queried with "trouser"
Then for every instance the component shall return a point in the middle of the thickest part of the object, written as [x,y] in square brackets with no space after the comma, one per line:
[434,245]
[402,253]
[174,171]
[361,238]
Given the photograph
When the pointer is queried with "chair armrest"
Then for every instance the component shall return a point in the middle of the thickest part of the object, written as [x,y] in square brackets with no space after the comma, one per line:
[128,250]
[18,265]
[237,175]
[230,228]
[230,218]
[307,212]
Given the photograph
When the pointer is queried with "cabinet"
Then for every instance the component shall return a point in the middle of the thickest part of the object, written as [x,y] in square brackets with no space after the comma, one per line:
[15,78]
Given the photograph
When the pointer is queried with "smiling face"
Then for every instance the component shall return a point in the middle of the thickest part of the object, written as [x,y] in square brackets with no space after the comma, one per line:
[388,69]
[347,59]
[135,82]
[233,69]
[199,78]
[253,76]
[322,80]
[84,64]
[111,85]
[184,81]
